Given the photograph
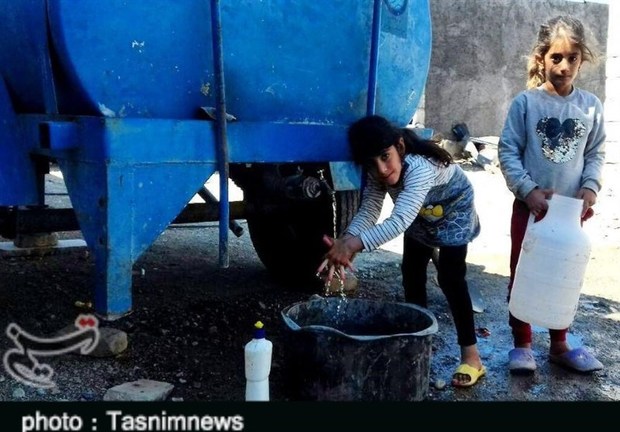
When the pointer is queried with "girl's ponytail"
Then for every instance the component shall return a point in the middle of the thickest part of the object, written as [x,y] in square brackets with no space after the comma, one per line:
[535,73]
[429,148]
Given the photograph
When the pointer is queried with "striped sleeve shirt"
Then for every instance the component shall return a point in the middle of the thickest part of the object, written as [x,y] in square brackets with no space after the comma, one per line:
[420,175]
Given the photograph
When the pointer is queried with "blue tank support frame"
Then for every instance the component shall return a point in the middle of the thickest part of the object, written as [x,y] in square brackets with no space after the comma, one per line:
[220,127]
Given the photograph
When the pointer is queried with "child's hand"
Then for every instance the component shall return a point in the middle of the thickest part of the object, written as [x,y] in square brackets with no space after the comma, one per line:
[339,256]
[537,200]
[589,199]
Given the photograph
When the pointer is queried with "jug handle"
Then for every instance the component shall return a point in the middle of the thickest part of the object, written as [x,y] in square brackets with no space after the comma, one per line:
[531,220]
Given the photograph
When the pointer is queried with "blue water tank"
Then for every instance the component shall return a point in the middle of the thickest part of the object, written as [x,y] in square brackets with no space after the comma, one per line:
[284,60]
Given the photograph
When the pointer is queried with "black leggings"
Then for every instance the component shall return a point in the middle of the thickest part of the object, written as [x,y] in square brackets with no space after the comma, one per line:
[451,270]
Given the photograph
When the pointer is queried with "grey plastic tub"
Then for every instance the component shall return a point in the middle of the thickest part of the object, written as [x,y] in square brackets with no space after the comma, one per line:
[340,349]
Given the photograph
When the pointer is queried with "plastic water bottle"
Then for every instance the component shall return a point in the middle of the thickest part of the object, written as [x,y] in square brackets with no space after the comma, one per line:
[551,268]
[258,365]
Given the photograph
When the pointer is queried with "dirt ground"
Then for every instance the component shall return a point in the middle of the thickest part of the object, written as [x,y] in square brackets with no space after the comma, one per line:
[191,319]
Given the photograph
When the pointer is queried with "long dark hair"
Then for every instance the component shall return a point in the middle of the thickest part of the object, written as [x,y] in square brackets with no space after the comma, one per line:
[370,135]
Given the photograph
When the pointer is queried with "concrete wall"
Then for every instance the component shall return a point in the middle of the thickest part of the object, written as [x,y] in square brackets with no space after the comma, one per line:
[479,58]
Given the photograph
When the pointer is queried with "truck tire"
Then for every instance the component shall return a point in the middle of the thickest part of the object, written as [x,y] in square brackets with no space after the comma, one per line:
[289,241]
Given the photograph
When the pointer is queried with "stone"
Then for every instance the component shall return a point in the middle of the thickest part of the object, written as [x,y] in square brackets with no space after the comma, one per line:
[111,341]
[141,390]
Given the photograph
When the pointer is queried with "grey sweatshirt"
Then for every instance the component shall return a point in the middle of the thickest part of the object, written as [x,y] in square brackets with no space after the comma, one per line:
[550,141]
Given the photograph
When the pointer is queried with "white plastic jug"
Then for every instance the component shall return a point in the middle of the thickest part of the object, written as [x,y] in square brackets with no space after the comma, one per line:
[551,268]
[257,355]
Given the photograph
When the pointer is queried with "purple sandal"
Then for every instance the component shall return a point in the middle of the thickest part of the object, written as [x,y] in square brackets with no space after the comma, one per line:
[577,359]
[521,360]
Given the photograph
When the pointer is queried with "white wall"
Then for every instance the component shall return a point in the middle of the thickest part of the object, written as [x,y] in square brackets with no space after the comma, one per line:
[612,100]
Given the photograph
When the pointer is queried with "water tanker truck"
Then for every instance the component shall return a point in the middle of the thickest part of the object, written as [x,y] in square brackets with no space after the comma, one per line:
[139,103]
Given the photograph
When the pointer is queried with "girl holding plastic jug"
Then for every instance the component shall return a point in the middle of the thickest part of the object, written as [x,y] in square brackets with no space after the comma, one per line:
[553,142]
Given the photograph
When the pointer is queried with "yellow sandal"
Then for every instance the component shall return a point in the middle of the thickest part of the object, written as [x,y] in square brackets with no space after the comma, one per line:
[473,374]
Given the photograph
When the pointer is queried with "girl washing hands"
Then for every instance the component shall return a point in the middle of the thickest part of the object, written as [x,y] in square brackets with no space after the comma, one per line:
[433,207]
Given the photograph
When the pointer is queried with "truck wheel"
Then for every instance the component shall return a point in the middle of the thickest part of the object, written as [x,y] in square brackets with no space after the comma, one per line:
[289,241]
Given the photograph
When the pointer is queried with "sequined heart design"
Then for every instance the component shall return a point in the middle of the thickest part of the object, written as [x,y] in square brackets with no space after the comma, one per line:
[560,140]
